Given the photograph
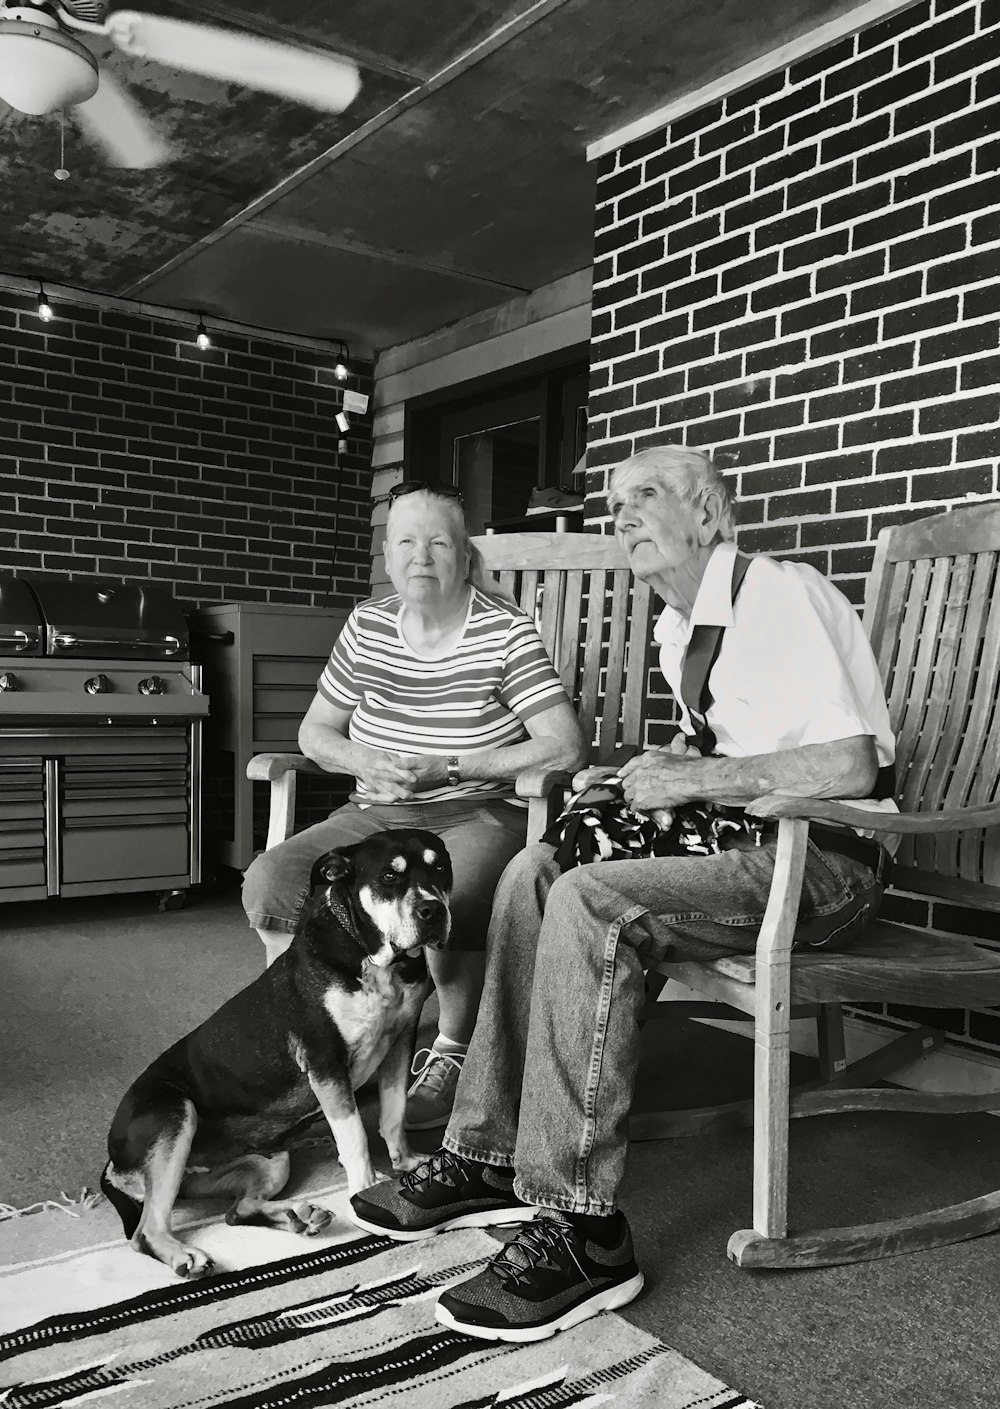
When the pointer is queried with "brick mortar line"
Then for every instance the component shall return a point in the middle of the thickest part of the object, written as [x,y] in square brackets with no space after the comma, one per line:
[778,397]
[692,106]
[855,188]
[599,364]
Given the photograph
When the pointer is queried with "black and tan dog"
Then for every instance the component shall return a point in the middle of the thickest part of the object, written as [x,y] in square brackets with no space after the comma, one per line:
[214,1114]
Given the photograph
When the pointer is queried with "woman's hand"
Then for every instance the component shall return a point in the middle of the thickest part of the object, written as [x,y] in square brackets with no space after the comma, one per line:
[386,776]
[429,771]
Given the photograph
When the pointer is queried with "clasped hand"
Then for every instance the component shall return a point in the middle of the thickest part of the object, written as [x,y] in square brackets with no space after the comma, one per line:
[399,777]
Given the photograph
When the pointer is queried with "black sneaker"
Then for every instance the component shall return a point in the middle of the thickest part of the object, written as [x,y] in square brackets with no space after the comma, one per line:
[547,1278]
[446,1191]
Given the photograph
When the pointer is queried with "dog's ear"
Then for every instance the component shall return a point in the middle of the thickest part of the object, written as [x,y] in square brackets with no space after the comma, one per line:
[335,866]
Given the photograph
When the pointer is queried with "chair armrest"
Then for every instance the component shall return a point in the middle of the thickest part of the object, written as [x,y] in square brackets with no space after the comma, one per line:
[281,770]
[266,767]
[540,782]
[959,819]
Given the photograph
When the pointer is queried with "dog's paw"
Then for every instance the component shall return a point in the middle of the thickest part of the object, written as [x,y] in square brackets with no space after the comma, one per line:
[305,1218]
[402,1163]
[315,1218]
[191,1263]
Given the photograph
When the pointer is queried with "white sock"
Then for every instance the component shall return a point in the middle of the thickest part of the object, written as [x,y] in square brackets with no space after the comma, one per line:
[448,1045]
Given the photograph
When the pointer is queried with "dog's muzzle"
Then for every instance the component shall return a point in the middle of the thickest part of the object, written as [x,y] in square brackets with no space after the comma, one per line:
[434,920]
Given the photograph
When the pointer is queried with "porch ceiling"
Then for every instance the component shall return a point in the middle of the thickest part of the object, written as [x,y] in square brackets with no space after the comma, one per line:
[456,179]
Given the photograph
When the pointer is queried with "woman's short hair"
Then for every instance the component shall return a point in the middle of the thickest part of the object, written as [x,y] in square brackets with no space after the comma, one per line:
[689,473]
[477,574]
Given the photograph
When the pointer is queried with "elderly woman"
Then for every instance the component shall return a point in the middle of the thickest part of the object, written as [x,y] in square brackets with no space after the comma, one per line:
[435,698]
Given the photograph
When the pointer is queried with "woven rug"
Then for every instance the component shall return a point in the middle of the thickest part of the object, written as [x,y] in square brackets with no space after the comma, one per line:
[290,1323]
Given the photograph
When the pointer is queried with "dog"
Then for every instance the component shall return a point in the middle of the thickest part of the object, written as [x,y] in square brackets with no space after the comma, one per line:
[214,1114]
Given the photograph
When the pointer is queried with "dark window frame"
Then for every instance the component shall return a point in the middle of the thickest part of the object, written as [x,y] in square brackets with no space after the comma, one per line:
[431,422]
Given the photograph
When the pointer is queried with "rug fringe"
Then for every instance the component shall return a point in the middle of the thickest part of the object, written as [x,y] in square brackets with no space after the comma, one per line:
[73,1206]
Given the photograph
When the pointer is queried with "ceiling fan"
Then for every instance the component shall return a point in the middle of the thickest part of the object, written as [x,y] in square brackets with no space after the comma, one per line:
[44,68]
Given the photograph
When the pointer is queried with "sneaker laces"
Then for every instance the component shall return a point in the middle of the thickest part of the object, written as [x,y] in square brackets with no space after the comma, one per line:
[547,1241]
[442,1167]
[436,1072]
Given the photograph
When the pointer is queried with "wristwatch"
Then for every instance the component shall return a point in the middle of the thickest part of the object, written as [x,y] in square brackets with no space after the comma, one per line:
[453,778]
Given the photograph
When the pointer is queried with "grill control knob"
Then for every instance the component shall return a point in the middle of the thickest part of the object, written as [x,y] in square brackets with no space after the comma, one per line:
[152,685]
[97,685]
[9,681]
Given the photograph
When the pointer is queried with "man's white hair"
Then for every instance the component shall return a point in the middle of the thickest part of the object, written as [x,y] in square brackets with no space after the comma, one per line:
[688,473]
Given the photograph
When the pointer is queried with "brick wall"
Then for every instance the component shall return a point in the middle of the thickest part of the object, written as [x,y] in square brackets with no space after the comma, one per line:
[125,451]
[804,277]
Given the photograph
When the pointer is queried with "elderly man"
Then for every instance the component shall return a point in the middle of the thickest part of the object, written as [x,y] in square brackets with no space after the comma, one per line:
[541,1117]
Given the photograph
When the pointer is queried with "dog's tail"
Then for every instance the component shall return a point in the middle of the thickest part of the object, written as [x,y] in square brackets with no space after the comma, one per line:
[129,1210]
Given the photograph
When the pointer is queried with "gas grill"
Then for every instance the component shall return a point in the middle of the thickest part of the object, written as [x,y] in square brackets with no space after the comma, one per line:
[100,740]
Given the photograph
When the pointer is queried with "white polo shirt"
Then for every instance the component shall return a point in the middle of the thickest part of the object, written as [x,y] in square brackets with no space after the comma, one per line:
[795,666]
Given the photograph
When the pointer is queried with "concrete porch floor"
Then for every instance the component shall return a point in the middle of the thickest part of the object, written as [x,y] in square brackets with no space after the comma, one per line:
[94,989]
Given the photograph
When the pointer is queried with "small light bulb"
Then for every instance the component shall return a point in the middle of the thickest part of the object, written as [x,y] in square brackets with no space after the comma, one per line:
[203,340]
[340,370]
[44,307]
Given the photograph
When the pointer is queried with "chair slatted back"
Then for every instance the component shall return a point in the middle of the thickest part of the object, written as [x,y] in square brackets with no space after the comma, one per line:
[595,621]
[932,614]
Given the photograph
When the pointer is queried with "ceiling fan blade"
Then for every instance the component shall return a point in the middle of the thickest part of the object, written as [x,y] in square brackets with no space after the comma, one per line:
[114,121]
[320,80]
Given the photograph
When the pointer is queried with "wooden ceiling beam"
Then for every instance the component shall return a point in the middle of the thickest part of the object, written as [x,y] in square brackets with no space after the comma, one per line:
[282,231]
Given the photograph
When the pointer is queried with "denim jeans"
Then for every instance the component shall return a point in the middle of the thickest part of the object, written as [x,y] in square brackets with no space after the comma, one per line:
[481,837]
[548,1082]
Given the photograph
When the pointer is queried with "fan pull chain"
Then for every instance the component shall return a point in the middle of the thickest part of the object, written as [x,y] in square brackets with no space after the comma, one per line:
[61,174]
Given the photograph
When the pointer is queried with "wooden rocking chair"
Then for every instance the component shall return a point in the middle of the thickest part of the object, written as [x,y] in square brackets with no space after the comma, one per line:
[933,616]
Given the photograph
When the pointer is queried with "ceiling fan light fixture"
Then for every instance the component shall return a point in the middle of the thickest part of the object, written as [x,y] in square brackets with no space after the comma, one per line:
[44,307]
[42,69]
[203,340]
[341,369]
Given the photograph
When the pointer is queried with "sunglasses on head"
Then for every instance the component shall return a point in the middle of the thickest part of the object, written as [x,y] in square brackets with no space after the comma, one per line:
[417,486]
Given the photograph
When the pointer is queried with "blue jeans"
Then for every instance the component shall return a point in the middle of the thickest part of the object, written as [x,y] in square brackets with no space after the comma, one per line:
[481,837]
[548,1082]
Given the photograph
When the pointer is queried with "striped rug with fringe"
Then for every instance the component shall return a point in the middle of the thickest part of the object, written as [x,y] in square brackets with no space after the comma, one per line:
[346,1320]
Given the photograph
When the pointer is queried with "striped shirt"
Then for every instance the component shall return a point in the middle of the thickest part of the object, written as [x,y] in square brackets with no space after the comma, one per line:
[476,697]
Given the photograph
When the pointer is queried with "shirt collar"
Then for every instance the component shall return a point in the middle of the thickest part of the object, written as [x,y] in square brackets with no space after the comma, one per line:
[713,606]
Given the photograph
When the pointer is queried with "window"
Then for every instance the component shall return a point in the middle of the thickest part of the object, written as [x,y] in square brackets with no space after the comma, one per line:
[499,442]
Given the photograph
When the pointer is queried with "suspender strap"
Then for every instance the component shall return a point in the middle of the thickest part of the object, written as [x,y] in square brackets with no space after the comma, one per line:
[885,783]
[699,658]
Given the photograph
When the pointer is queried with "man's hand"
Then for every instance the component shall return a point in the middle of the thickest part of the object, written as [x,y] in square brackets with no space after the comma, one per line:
[660,779]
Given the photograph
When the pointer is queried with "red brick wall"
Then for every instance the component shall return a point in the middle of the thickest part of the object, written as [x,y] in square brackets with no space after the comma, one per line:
[125,451]
[804,277]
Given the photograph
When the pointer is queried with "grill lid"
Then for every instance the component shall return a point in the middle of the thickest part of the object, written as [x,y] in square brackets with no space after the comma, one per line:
[21,630]
[109,621]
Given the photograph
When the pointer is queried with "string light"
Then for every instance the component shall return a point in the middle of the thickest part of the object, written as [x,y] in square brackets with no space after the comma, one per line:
[203,340]
[44,307]
[341,370]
